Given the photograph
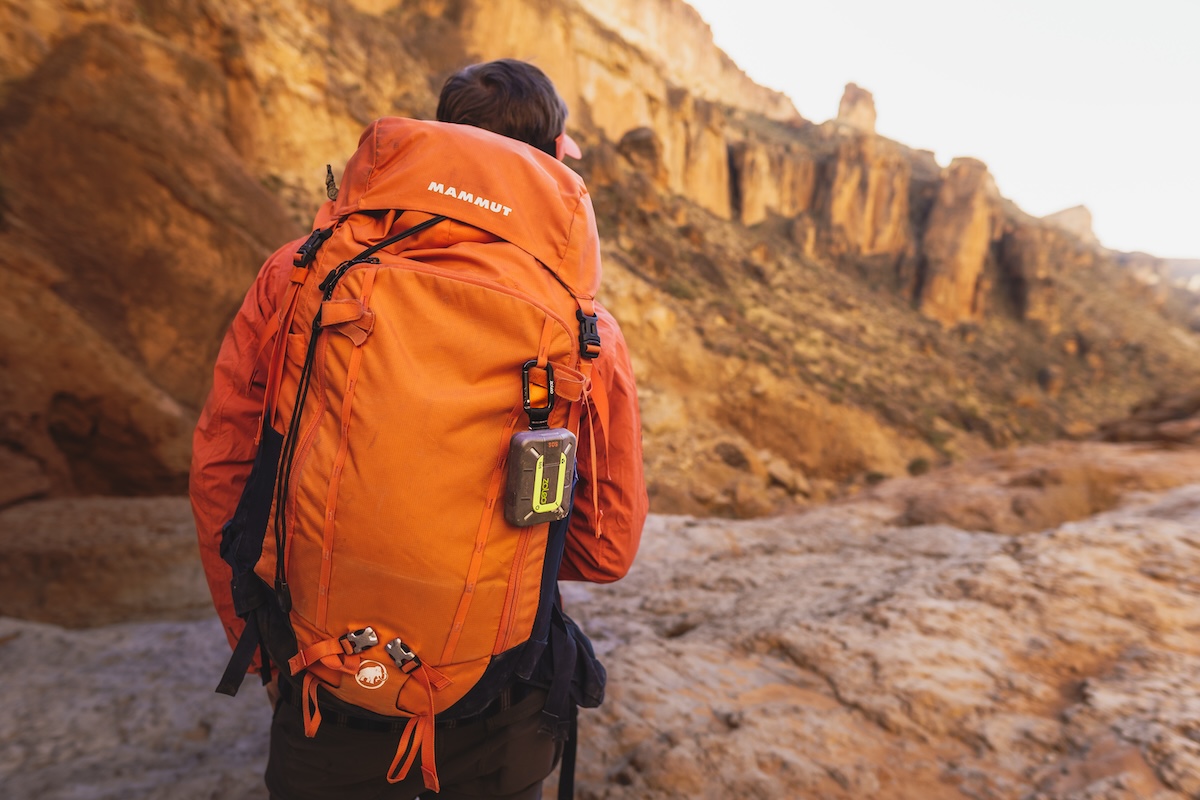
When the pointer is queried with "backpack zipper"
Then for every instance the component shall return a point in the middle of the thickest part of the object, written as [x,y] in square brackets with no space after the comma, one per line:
[417,266]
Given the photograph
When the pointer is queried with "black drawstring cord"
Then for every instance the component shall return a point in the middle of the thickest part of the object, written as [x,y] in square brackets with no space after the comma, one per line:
[283,485]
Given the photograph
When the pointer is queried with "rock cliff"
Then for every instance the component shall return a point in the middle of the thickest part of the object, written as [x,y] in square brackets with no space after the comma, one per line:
[815,297]
[1076,220]
[955,243]
[857,108]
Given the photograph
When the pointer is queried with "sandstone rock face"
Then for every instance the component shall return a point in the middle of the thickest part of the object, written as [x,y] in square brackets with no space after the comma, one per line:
[1168,419]
[864,208]
[696,156]
[1037,488]
[619,70]
[857,108]
[1032,270]
[1076,220]
[833,654]
[767,178]
[955,243]
[693,399]
[131,229]
[679,42]
[21,478]
[159,152]
[81,563]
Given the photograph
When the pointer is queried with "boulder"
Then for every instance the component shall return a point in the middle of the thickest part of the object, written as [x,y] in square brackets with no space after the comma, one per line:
[1168,419]
[1036,488]
[85,562]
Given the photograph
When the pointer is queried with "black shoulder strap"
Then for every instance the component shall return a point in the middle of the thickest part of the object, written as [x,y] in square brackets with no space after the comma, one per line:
[566,770]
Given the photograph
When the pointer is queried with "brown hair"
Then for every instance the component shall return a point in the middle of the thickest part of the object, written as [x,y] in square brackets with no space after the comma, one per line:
[509,97]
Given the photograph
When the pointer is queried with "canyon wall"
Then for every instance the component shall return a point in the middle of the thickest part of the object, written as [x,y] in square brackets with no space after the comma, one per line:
[810,307]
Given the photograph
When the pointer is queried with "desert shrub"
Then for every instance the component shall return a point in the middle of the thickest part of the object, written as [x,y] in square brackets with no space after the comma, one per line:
[919,466]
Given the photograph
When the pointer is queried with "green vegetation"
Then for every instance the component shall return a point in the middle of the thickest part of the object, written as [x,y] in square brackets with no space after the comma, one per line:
[679,289]
[919,466]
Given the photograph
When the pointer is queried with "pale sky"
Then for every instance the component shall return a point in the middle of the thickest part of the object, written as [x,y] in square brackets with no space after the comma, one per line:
[1069,102]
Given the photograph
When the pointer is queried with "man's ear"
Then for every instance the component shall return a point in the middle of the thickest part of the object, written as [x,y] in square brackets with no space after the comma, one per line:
[564,146]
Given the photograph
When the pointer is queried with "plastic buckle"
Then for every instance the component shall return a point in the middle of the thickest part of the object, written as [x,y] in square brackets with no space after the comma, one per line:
[308,250]
[406,660]
[360,639]
[589,334]
[539,418]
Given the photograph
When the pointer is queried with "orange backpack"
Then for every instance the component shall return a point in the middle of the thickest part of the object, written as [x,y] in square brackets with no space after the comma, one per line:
[446,308]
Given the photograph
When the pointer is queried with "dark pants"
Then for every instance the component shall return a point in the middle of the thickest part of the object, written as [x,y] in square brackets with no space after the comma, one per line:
[500,756]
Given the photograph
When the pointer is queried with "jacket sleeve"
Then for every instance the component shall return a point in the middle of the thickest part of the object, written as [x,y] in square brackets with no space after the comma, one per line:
[223,444]
[603,537]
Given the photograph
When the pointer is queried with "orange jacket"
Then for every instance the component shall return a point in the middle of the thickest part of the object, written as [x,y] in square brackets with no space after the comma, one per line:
[603,537]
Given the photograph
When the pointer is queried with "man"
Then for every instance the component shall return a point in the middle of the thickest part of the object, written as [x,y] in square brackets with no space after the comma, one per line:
[502,749]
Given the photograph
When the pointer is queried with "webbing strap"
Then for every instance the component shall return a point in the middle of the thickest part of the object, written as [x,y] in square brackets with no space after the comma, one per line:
[587,308]
[408,746]
[243,653]
[316,653]
[594,478]
[589,332]
[566,770]
[564,654]
[311,709]
[418,736]
[509,610]
[587,408]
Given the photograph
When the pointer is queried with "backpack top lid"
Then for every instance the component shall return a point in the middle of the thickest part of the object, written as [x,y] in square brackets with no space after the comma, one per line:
[503,186]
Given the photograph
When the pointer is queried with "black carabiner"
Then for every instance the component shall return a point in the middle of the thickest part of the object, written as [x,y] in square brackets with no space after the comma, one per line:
[539,418]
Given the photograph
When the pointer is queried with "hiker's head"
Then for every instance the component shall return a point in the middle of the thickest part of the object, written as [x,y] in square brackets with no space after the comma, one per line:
[512,98]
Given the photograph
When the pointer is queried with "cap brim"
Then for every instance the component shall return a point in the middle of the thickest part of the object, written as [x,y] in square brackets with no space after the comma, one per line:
[565,146]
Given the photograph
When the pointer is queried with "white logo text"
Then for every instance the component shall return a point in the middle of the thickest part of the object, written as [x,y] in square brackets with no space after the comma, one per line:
[468,197]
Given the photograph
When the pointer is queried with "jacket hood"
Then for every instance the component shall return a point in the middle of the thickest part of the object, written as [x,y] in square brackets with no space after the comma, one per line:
[480,178]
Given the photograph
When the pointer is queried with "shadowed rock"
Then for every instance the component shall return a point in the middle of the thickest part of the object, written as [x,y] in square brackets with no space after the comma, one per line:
[132,229]
[85,562]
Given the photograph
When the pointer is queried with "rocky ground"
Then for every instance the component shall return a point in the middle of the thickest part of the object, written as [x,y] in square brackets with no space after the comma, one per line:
[855,650]
[849,653]
[126,711]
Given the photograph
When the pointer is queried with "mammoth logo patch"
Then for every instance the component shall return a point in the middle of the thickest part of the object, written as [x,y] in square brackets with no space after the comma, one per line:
[371,675]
